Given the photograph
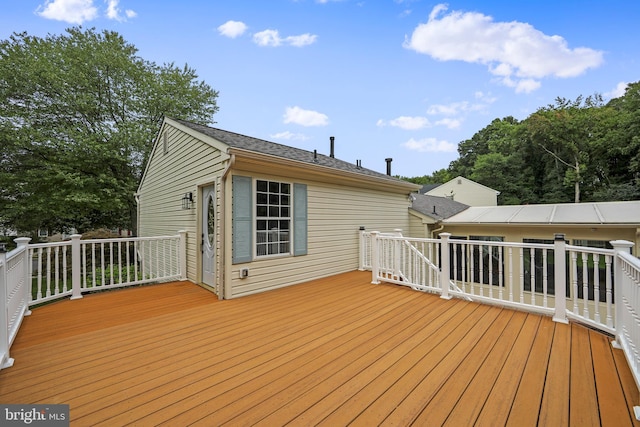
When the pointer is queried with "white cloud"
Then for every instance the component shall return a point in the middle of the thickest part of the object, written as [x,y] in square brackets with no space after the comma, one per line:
[301,40]
[431,145]
[113,11]
[232,29]
[618,91]
[450,123]
[449,109]
[515,52]
[290,136]
[80,11]
[407,123]
[267,38]
[72,11]
[272,38]
[456,108]
[302,117]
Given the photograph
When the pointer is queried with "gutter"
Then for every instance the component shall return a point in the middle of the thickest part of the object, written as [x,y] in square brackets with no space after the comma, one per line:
[223,184]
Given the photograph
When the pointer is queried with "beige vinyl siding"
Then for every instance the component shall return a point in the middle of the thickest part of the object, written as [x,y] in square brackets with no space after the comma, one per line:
[418,226]
[335,214]
[187,163]
[466,191]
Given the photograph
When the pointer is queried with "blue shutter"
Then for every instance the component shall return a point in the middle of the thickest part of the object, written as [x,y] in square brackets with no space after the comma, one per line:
[299,219]
[242,219]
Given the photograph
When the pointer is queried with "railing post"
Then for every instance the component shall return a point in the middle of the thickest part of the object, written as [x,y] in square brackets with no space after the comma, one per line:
[559,278]
[23,242]
[76,267]
[397,259]
[618,246]
[375,261]
[362,248]
[445,273]
[5,360]
[183,254]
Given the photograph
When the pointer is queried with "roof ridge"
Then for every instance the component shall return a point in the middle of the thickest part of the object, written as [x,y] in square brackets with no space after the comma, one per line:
[252,144]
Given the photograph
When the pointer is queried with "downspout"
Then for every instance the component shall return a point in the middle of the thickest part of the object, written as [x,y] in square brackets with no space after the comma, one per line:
[136,196]
[223,185]
[437,230]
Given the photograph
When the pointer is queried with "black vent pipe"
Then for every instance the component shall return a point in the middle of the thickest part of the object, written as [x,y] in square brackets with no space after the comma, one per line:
[388,160]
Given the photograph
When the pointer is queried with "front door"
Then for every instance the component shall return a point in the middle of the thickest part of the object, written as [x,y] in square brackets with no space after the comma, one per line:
[208,235]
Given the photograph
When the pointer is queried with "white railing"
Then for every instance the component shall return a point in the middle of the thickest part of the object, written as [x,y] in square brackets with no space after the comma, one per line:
[38,273]
[627,273]
[521,275]
[14,300]
[598,287]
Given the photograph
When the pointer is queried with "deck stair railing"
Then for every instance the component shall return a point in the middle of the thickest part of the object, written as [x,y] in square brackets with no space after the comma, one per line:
[595,286]
[38,273]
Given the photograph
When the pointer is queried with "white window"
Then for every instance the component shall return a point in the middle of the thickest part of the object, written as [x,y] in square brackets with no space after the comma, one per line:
[273,218]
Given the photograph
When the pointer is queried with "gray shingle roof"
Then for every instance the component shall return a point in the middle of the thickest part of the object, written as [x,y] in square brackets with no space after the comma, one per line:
[437,207]
[428,187]
[256,145]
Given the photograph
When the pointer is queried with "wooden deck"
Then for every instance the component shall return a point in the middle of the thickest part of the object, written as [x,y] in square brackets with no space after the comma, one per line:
[333,352]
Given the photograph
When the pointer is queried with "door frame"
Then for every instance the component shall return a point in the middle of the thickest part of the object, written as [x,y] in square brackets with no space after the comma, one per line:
[201,218]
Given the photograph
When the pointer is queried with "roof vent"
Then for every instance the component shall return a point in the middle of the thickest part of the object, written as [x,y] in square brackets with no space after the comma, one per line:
[315,156]
[359,164]
[331,139]
[388,160]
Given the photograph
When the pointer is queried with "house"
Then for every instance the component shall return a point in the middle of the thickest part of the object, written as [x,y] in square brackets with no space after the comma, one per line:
[463,190]
[427,212]
[592,224]
[261,215]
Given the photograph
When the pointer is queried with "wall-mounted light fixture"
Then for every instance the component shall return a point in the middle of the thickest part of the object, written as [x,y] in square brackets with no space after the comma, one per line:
[187,200]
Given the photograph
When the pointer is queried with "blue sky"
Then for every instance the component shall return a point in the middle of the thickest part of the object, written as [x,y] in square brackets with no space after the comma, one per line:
[407,79]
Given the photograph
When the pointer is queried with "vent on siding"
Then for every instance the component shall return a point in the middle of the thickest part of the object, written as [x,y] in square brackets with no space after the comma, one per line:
[165,143]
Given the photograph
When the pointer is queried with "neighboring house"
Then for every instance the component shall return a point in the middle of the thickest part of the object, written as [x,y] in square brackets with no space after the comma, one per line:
[261,215]
[427,212]
[465,191]
[583,224]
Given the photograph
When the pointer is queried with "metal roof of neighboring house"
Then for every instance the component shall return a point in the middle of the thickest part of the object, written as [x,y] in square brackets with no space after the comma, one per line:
[256,145]
[436,207]
[566,213]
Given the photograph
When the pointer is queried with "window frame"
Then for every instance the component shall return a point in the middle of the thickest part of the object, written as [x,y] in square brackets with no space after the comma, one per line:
[256,218]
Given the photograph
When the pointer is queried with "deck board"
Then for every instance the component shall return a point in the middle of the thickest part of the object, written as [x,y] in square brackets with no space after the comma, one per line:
[582,383]
[497,406]
[335,351]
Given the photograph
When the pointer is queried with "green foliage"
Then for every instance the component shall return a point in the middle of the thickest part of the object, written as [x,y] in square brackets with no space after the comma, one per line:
[115,275]
[438,177]
[572,150]
[78,114]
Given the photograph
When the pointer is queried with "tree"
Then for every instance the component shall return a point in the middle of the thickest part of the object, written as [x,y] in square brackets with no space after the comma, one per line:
[78,114]
[565,132]
[437,177]
[623,151]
